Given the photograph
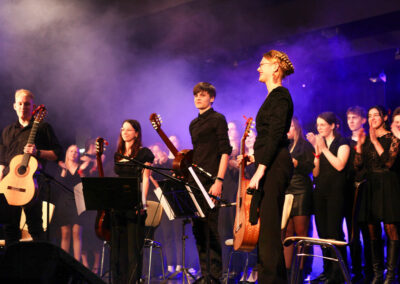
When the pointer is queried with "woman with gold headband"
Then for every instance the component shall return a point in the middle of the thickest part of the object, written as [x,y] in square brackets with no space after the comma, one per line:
[274,165]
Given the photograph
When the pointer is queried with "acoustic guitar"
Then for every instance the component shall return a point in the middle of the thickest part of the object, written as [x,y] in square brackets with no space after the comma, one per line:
[19,186]
[245,235]
[183,159]
[103,222]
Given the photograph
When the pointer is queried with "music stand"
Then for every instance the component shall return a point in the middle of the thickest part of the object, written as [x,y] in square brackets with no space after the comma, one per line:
[109,193]
[179,201]
[104,193]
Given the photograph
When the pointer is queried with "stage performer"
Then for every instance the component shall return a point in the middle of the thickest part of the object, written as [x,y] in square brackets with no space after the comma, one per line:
[356,118]
[300,186]
[128,227]
[65,213]
[331,155]
[377,154]
[274,166]
[13,141]
[211,150]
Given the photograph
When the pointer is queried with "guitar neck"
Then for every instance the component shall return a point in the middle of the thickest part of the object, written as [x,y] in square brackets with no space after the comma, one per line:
[242,165]
[31,140]
[99,165]
[167,142]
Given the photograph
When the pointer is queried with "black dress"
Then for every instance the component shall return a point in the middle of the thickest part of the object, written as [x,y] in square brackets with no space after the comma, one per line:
[380,203]
[65,212]
[300,184]
[128,228]
[329,200]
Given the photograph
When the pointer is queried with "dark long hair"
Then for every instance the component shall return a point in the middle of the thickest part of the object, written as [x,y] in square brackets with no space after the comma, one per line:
[136,144]
[331,118]
[382,113]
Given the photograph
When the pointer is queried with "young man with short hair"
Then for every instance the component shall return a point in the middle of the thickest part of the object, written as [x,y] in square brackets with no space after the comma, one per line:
[211,150]
[356,118]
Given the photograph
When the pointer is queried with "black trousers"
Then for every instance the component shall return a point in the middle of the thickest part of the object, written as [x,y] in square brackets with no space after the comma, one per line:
[270,250]
[329,214]
[33,213]
[204,229]
[127,240]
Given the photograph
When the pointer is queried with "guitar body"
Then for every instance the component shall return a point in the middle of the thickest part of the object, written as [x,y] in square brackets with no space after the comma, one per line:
[182,161]
[245,235]
[103,225]
[19,188]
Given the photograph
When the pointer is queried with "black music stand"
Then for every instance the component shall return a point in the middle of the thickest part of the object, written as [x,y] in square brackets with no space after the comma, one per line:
[111,193]
[178,199]
[105,193]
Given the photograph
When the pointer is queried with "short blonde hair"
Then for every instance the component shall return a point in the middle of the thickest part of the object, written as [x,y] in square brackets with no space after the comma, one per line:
[283,60]
[24,92]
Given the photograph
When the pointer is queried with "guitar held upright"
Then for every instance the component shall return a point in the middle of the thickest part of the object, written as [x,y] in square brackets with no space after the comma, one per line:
[19,186]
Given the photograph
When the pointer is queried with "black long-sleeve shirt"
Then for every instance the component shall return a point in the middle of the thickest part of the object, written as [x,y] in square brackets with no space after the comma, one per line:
[273,122]
[14,138]
[209,133]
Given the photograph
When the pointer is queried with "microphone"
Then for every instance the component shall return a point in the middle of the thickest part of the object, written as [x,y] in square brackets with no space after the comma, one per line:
[204,172]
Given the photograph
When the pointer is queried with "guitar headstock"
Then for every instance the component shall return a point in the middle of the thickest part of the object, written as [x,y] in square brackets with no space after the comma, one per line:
[100,145]
[39,113]
[249,126]
[156,121]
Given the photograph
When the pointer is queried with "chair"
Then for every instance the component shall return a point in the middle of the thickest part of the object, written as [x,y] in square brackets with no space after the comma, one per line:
[287,208]
[302,243]
[154,214]
[25,236]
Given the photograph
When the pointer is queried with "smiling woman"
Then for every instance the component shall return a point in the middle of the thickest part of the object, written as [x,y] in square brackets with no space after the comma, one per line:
[331,155]
[376,155]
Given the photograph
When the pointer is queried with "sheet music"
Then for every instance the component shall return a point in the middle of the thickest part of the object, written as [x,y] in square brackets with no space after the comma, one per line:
[164,203]
[200,185]
[79,199]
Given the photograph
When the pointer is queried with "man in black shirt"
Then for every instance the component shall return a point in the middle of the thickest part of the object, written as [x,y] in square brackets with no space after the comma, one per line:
[13,141]
[356,118]
[211,150]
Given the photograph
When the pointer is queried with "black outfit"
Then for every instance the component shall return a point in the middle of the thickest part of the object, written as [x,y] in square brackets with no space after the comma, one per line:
[270,149]
[209,133]
[65,212]
[380,203]
[128,228]
[300,184]
[329,200]
[354,176]
[12,142]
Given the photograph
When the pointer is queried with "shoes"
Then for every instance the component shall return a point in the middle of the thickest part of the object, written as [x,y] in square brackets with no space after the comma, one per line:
[203,280]
[320,278]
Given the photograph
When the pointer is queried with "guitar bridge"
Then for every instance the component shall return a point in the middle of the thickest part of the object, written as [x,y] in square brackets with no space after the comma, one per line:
[16,188]
[238,228]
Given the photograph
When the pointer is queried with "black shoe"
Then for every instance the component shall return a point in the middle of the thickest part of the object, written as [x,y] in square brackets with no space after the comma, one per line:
[320,278]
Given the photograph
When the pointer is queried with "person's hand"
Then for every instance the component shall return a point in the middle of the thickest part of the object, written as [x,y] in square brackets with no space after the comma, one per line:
[295,162]
[311,138]
[30,149]
[372,135]
[255,180]
[321,144]
[216,190]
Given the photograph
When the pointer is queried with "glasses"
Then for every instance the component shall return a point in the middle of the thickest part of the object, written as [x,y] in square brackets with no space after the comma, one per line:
[261,64]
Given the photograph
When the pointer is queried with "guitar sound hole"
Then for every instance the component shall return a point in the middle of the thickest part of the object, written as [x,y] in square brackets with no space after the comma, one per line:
[22,170]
